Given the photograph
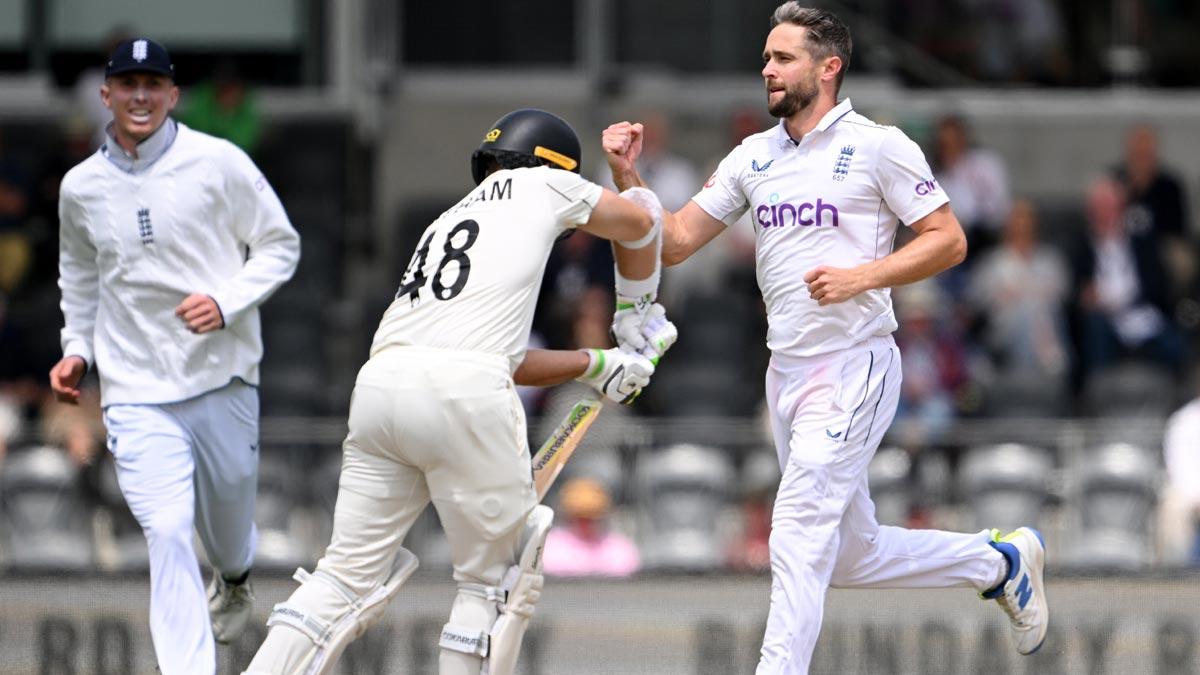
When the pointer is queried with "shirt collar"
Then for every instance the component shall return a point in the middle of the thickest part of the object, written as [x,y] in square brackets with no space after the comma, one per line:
[148,151]
[828,120]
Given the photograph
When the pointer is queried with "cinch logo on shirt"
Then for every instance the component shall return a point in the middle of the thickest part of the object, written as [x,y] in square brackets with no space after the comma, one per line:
[803,214]
[927,187]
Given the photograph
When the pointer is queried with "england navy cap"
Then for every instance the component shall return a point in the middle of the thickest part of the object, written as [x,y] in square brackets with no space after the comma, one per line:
[140,55]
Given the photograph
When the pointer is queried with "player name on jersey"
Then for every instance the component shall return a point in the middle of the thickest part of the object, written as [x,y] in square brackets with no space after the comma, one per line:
[497,190]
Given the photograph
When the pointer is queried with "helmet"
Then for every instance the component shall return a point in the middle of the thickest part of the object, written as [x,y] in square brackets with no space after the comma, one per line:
[543,137]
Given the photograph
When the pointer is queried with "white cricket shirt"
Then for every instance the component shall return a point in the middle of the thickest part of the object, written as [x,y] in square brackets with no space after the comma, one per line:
[473,282]
[134,243]
[835,198]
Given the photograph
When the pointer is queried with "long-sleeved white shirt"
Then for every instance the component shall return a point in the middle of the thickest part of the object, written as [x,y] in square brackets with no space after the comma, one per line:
[134,243]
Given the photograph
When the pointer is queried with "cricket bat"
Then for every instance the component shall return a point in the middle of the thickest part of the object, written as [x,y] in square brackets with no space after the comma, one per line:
[554,453]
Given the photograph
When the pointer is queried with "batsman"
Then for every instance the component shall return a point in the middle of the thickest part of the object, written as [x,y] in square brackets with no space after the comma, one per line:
[435,416]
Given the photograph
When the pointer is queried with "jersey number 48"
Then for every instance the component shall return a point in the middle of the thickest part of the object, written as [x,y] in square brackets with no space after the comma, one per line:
[450,252]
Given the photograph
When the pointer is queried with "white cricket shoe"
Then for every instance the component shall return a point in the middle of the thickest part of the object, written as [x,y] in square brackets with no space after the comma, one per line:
[229,608]
[1023,595]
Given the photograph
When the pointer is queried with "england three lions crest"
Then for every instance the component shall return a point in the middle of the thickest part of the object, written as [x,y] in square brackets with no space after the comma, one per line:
[841,167]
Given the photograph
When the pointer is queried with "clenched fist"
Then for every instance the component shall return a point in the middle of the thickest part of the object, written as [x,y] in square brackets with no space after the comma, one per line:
[831,285]
[622,146]
[200,313]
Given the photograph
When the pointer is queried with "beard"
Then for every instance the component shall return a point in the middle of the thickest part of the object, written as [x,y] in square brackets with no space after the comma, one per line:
[795,99]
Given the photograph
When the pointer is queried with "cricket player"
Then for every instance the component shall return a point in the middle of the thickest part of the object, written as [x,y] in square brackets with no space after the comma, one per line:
[826,189]
[170,239]
[435,417]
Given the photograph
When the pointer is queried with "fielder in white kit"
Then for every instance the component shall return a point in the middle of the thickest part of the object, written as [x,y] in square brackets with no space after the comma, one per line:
[170,239]
[826,189]
[435,417]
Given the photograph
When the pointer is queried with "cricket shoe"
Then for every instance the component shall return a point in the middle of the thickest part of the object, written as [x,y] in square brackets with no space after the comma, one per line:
[1022,595]
[229,607]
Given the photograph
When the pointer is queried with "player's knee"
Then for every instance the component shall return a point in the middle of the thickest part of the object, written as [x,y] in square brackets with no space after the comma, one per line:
[234,484]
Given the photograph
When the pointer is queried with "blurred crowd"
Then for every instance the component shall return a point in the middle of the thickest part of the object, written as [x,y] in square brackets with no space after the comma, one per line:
[1081,309]
[1051,42]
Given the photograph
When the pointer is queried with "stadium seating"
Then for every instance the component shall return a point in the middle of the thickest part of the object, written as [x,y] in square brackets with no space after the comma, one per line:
[1026,395]
[1118,487]
[683,489]
[1007,485]
[1130,389]
[44,512]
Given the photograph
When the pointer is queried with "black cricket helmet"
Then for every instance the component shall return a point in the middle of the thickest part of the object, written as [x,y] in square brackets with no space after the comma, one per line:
[542,137]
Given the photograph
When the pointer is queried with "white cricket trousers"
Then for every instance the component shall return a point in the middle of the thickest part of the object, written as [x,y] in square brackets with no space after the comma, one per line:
[179,464]
[425,425]
[828,415]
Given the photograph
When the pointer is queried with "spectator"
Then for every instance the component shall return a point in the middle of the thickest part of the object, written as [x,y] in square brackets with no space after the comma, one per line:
[1157,216]
[1020,291]
[976,181]
[1156,199]
[1121,290]
[934,366]
[1180,503]
[225,107]
[585,546]
[16,250]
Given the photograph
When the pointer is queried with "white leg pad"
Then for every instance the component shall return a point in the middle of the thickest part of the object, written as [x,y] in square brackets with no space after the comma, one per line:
[523,586]
[328,638]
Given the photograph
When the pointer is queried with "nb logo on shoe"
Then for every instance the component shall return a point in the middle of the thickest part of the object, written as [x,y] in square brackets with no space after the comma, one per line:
[1024,592]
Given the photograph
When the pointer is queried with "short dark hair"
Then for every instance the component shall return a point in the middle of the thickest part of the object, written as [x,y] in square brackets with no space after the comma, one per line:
[508,159]
[826,35]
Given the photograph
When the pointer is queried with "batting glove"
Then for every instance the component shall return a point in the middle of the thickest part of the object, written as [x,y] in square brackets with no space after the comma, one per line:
[658,332]
[617,374]
[627,322]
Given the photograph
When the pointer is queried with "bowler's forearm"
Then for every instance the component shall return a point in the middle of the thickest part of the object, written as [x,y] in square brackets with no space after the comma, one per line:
[928,254]
[627,179]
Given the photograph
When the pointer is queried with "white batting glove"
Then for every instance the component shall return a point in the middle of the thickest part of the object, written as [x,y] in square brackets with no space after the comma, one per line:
[617,374]
[628,320]
[658,332]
